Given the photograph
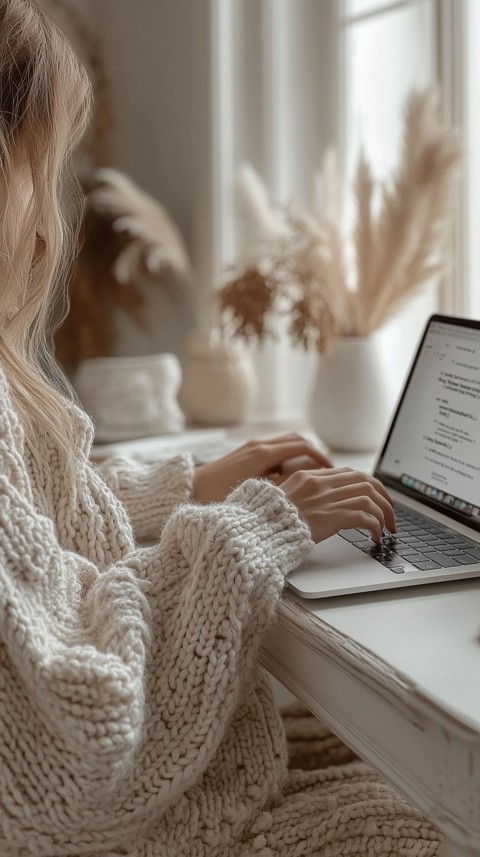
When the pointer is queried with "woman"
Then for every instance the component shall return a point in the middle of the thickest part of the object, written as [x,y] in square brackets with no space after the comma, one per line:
[134,718]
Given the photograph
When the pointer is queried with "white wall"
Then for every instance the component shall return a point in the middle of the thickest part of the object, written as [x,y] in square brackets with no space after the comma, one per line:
[156,57]
[152,63]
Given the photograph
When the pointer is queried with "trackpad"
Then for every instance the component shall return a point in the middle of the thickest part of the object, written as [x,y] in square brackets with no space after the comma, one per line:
[335,566]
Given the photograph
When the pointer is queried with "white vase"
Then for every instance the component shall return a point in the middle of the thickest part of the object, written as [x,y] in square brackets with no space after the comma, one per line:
[218,382]
[351,401]
[131,397]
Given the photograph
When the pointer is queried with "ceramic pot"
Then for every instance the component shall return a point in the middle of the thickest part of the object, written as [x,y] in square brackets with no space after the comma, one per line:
[351,403]
[218,382]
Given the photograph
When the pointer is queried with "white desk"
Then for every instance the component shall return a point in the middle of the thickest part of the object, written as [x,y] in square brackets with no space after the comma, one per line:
[397,676]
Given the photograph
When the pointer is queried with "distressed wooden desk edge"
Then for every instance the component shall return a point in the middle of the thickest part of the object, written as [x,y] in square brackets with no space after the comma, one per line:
[318,635]
[449,745]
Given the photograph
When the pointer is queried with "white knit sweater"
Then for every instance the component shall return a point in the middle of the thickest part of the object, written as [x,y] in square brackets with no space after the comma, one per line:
[134,720]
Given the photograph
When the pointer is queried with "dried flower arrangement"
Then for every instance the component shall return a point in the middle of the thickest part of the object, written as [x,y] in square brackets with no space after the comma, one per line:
[128,237]
[282,281]
[294,263]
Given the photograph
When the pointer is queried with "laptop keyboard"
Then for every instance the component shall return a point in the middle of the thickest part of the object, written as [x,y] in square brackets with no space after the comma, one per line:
[419,543]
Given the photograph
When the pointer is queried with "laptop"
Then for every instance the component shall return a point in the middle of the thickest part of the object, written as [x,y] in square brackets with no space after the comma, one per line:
[430,464]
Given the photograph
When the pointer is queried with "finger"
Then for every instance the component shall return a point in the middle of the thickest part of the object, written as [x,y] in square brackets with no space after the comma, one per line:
[366,489]
[366,511]
[292,465]
[328,521]
[345,476]
[274,454]
[358,518]
[294,437]
[281,438]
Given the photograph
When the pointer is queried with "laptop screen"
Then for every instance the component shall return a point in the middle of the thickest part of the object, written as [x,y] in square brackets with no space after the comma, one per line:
[432,450]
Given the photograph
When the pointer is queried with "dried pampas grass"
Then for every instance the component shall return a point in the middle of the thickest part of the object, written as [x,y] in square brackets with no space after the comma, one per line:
[128,238]
[399,248]
[282,282]
[295,263]
[154,243]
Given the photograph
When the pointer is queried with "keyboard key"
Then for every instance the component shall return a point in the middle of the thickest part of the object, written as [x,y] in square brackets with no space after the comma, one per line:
[411,556]
[465,546]
[380,556]
[395,563]
[464,558]
[475,552]
[350,535]
[426,565]
[444,561]
[397,569]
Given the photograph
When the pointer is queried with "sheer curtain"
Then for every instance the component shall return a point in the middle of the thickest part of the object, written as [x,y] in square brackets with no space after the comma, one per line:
[289,88]
[281,81]
[388,49]
[463,65]
[293,77]
[273,98]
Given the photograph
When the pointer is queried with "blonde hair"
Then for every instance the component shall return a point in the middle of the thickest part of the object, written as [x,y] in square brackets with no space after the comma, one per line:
[44,104]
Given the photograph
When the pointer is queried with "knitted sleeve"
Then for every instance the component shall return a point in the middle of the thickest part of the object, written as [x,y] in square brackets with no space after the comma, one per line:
[222,572]
[149,492]
[116,688]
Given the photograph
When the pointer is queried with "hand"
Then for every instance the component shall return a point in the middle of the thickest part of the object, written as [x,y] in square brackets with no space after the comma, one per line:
[212,482]
[340,498]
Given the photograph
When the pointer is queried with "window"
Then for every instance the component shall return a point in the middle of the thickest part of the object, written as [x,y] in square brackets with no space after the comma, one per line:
[463,65]
[386,49]
[305,74]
